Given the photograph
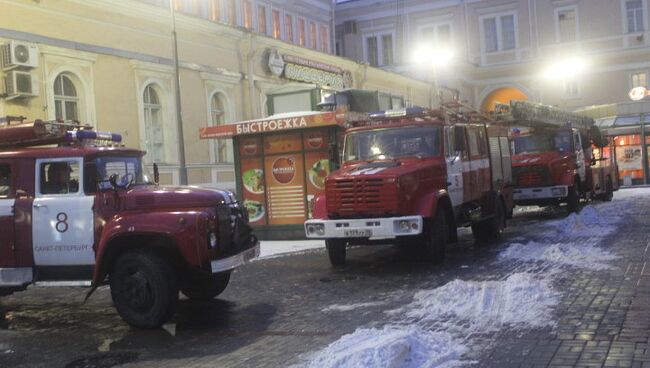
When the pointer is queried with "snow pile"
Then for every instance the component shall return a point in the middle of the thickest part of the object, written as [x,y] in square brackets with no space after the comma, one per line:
[390,347]
[591,221]
[520,300]
[583,255]
[349,307]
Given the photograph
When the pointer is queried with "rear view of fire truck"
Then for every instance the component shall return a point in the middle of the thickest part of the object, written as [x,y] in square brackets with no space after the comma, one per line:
[412,177]
[559,157]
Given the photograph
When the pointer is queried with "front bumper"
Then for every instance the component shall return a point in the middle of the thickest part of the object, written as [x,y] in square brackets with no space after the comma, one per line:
[554,192]
[226,264]
[371,228]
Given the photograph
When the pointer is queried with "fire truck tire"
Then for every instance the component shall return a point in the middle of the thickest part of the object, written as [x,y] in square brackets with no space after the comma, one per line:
[336,251]
[491,229]
[435,238]
[609,191]
[144,288]
[206,288]
[573,199]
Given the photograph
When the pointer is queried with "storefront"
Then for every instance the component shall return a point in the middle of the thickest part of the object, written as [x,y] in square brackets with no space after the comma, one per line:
[281,163]
[626,124]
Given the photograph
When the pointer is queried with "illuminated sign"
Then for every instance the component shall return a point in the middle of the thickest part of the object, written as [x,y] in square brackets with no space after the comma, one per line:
[310,71]
[276,123]
[638,93]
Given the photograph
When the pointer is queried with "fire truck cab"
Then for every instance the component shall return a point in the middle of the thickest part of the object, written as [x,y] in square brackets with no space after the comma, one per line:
[412,177]
[78,209]
[558,157]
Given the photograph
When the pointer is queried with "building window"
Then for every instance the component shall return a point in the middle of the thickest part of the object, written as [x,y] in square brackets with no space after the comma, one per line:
[379,49]
[387,49]
[222,147]
[215,10]
[567,26]
[499,33]
[639,79]
[288,28]
[261,19]
[66,100]
[371,51]
[248,14]
[5,180]
[276,24]
[571,88]
[634,14]
[301,32]
[437,36]
[231,11]
[313,35]
[324,39]
[153,123]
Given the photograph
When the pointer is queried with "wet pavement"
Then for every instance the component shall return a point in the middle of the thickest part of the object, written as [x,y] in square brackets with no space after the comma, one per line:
[275,311]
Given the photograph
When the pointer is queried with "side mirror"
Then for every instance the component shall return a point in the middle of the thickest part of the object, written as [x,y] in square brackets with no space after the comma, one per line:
[459,138]
[156,174]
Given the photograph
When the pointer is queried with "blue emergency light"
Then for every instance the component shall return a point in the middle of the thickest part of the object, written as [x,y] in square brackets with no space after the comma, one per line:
[81,135]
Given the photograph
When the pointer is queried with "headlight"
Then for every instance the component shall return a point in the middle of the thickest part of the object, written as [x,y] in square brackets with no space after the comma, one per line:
[212,240]
[406,226]
[316,229]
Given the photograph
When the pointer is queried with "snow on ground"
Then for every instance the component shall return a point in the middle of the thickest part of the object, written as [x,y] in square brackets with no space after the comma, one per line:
[390,347]
[435,329]
[583,255]
[519,300]
[271,249]
[349,307]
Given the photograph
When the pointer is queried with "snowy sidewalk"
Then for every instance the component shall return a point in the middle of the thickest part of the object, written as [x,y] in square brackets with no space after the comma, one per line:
[277,248]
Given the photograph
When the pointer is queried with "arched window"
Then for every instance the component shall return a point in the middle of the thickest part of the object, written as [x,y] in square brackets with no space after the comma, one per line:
[153,124]
[66,100]
[222,147]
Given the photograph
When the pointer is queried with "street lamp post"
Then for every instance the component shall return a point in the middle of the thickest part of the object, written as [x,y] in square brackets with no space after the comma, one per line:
[177,95]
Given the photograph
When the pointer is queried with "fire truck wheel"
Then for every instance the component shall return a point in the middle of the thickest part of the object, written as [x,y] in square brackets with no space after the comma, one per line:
[144,288]
[492,228]
[433,247]
[609,191]
[573,199]
[336,251]
[206,288]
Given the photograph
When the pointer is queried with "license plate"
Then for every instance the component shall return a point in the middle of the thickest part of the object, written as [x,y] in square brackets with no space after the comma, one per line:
[358,233]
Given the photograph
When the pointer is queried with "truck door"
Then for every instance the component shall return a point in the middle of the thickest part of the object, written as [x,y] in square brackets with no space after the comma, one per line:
[7,229]
[62,215]
[454,160]
[580,155]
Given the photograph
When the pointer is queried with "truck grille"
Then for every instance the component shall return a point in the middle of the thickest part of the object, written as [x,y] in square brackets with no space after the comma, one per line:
[359,197]
[532,176]
[233,228]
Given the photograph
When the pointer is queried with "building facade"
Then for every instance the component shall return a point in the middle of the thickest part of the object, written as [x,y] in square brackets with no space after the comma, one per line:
[109,63]
[569,53]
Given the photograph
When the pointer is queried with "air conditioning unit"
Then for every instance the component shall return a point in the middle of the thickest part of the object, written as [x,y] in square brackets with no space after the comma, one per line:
[20,84]
[17,54]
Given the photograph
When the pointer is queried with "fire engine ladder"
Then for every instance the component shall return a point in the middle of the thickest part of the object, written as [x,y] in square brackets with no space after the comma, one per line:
[36,133]
[528,114]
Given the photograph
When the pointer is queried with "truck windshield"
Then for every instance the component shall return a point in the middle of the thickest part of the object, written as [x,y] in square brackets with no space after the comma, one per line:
[129,170]
[543,142]
[392,143]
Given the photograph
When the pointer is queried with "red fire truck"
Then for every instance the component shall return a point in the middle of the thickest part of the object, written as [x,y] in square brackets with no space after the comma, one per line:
[85,213]
[558,157]
[412,177]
